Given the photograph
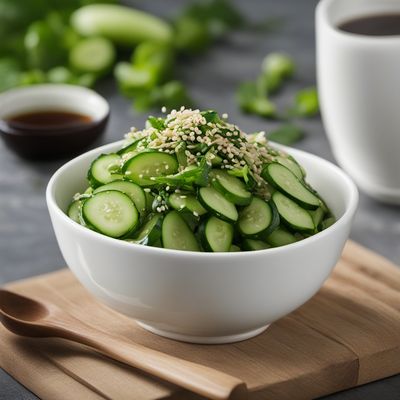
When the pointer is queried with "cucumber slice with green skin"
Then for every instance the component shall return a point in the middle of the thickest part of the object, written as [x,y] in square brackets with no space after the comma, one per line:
[176,234]
[135,192]
[93,55]
[149,201]
[285,181]
[191,220]
[317,216]
[102,170]
[292,214]
[144,166]
[231,187]
[217,235]
[129,148]
[217,204]
[234,248]
[280,237]
[123,25]
[74,211]
[150,232]
[111,213]
[326,223]
[258,219]
[186,202]
[252,244]
[290,163]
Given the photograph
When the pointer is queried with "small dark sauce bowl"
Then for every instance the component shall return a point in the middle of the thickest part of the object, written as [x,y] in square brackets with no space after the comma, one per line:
[53,141]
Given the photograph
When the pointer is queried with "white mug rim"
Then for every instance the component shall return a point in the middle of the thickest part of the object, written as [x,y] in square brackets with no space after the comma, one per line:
[322,13]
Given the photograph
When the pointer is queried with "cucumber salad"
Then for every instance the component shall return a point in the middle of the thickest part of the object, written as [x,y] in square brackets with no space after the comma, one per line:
[192,181]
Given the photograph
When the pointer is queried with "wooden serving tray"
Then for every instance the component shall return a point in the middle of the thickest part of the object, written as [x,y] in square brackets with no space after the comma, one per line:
[346,335]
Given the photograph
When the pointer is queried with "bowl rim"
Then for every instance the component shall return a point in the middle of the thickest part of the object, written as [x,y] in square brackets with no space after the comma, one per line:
[347,216]
[79,91]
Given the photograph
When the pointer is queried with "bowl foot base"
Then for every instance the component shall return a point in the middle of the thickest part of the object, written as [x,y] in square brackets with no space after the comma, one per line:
[203,339]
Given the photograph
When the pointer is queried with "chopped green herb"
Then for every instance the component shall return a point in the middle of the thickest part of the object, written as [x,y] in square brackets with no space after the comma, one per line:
[252,102]
[286,134]
[306,103]
[276,68]
[10,73]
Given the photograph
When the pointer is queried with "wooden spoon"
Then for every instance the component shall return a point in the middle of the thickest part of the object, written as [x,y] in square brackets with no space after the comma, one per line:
[28,317]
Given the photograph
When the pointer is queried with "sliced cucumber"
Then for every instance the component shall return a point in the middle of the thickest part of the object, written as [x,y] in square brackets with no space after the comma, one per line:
[326,223]
[252,244]
[290,163]
[74,211]
[215,202]
[191,220]
[284,180]
[231,187]
[181,202]
[143,167]
[317,216]
[150,233]
[93,55]
[176,234]
[234,248]
[129,148]
[258,219]
[217,235]
[149,201]
[111,213]
[280,237]
[292,214]
[103,169]
[135,192]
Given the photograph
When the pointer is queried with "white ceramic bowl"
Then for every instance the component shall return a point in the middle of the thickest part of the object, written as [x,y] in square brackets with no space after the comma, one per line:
[202,297]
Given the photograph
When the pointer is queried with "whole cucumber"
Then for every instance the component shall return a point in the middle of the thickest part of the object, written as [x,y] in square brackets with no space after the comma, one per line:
[124,26]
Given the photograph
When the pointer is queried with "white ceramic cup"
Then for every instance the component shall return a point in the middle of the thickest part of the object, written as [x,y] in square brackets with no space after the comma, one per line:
[359,91]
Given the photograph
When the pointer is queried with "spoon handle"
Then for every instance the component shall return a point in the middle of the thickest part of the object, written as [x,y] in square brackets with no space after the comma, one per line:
[197,378]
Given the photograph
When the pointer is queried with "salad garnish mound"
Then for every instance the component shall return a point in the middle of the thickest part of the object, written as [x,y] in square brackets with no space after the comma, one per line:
[193,181]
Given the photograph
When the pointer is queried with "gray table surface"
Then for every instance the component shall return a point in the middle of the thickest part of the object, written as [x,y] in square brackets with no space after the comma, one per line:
[27,243]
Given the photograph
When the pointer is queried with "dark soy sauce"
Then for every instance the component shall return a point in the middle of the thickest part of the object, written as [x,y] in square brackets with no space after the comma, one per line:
[48,119]
[373,25]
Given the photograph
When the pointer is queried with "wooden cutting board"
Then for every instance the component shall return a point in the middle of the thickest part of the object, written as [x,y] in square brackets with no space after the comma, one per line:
[346,335]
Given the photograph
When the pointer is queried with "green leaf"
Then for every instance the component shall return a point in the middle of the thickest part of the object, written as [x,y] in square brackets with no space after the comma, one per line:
[211,116]
[252,102]
[44,43]
[204,21]
[60,75]
[286,134]
[131,79]
[156,123]
[276,68]
[264,107]
[173,94]
[32,77]
[246,93]
[240,173]
[159,58]
[306,103]
[191,35]
[10,73]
